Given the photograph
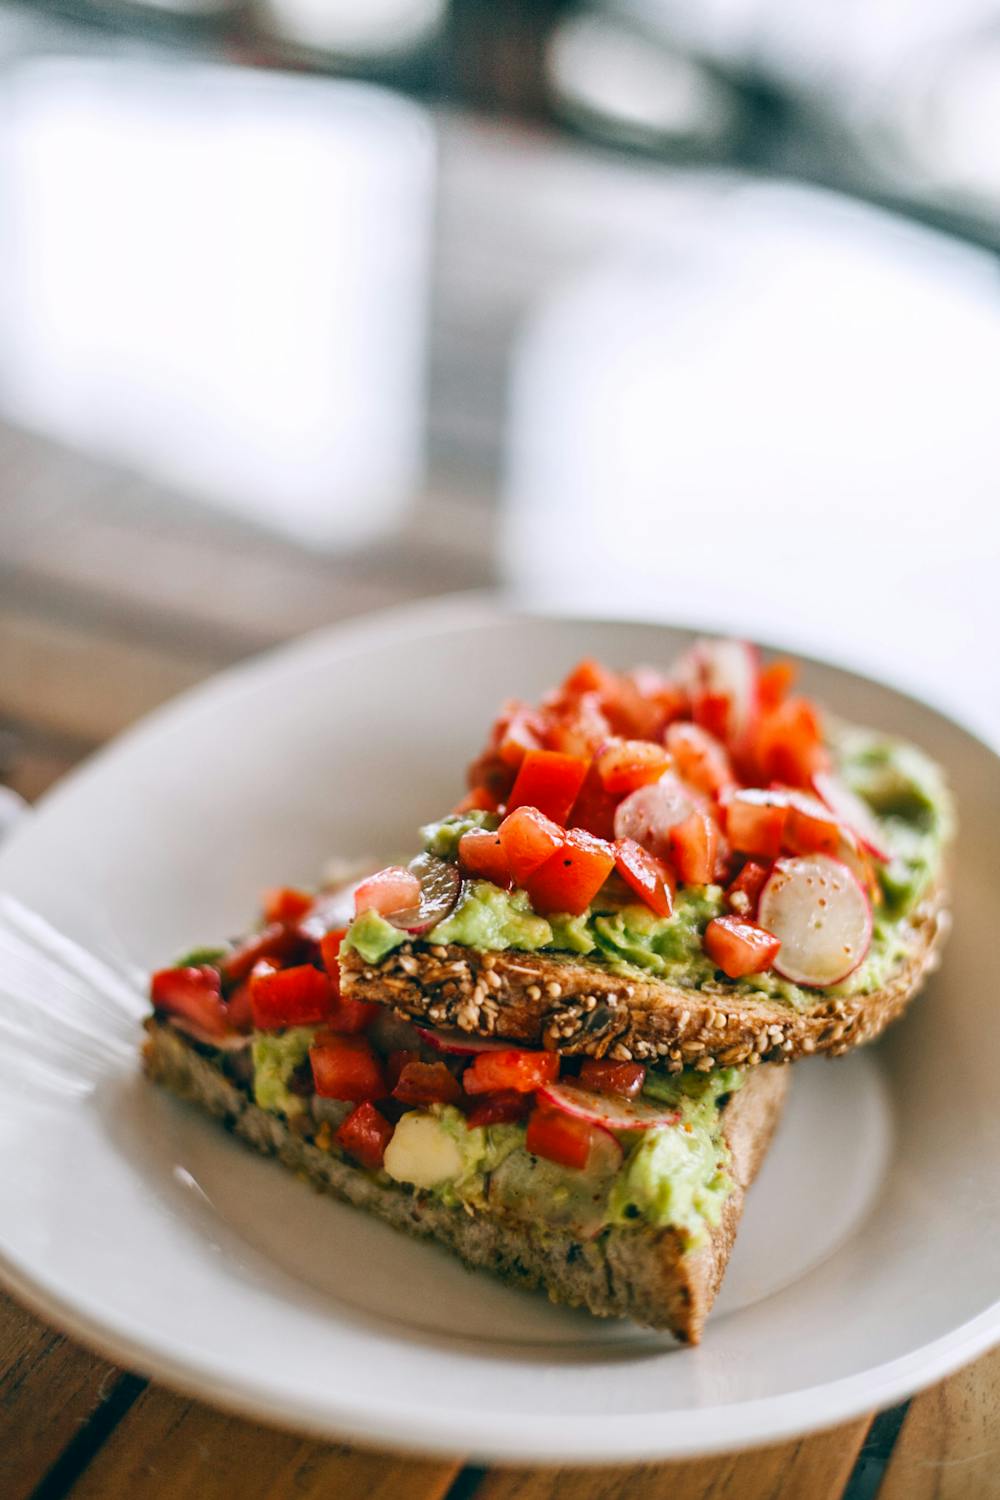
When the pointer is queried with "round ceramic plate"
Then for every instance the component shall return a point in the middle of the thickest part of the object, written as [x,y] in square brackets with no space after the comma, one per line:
[866,1264]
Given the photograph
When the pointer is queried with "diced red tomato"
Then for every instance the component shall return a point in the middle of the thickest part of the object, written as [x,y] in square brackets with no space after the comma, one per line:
[238,1007]
[427,1083]
[194,994]
[288,997]
[570,879]
[699,758]
[518,1070]
[479,799]
[577,726]
[275,941]
[527,839]
[739,947]
[712,713]
[350,1017]
[744,892]
[648,876]
[774,684]
[663,699]
[789,744]
[549,781]
[329,949]
[489,770]
[624,765]
[481,853]
[388,890]
[559,1137]
[694,845]
[502,1108]
[810,827]
[521,733]
[396,1062]
[594,808]
[755,821]
[283,904]
[345,1067]
[605,1076]
[364,1135]
[589,676]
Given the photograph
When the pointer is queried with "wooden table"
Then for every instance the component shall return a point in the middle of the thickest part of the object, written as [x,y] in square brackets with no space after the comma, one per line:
[114,595]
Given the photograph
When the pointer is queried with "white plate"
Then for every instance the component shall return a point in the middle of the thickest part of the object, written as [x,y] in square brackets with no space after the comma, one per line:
[867,1264]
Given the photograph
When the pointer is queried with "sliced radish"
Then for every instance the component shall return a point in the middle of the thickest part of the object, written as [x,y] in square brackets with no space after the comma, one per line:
[648,814]
[607,1110]
[721,678]
[459,1044]
[851,809]
[440,884]
[232,1042]
[817,908]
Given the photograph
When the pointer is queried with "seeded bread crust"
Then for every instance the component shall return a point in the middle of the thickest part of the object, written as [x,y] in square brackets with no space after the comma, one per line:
[643,1274]
[574,1005]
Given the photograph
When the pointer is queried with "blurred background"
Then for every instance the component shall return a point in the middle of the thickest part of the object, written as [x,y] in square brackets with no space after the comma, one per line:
[684,308]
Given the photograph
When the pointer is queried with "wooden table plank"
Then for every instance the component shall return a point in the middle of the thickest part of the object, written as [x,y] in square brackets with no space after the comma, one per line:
[815,1468]
[49,1388]
[168,1446]
[949,1447]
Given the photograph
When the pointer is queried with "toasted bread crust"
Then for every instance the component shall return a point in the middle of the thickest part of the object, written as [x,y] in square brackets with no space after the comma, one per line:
[576,1005]
[643,1274]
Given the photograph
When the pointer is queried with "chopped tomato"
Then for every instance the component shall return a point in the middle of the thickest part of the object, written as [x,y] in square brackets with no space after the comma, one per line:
[550,781]
[520,734]
[516,1069]
[364,1135]
[238,1007]
[648,876]
[288,997]
[396,1062]
[810,827]
[388,890]
[774,684]
[559,1137]
[481,853]
[594,808]
[744,893]
[489,770]
[479,799]
[274,941]
[283,904]
[699,758]
[755,821]
[790,745]
[505,1107]
[739,947]
[345,1067]
[570,879]
[712,713]
[606,1076]
[193,993]
[527,839]
[329,949]
[694,844]
[427,1083]
[578,726]
[349,1016]
[664,701]
[589,676]
[624,765]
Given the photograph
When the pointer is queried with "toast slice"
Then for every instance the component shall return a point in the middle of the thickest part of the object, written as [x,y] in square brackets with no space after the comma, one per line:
[586,1006]
[647,1274]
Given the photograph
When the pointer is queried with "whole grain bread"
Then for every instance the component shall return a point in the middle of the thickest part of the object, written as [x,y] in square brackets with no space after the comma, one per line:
[639,1273]
[579,1005]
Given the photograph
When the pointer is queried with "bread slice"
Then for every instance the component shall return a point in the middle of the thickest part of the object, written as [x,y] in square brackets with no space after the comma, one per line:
[644,1274]
[581,1005]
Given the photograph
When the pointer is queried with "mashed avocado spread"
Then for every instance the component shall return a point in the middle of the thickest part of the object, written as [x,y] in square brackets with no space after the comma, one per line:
[903,788]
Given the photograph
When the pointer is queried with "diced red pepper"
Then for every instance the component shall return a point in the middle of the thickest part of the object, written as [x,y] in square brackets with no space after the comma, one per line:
[193,993]
[289,997]
[345,1067]
[594,808]
[789,744]
[810,827]
[388,890]
[550,781]
[275,941]
[517,1070]
[774,684]
[502,1108]
[699,758]
[744,893]
[559,1137]
[648,876]
[396,1062]
[755,821]
[624,765]
[739,947]
[481,853]
[605,1076]
[479,799]
[283,904]
[427,1083]
[527,839]
[364,1135]
[570,879]
[329,949]
[694,845]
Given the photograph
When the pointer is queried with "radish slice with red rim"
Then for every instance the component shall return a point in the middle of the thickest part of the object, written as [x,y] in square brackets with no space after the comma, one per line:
[460,1044]
[648,814]
[440,886]
[611,1111]
[816,906]
[847,807]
